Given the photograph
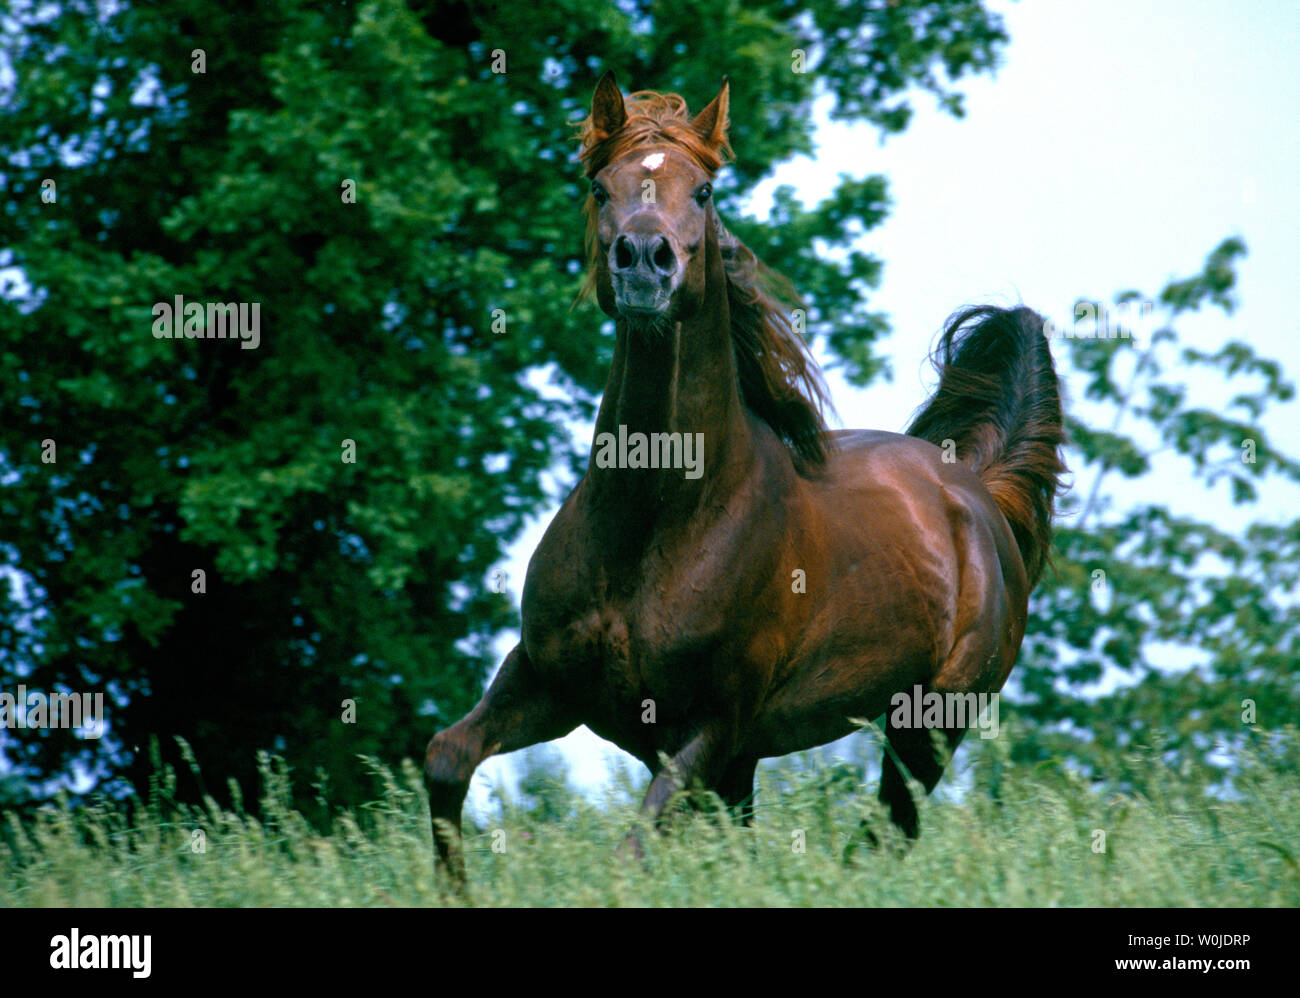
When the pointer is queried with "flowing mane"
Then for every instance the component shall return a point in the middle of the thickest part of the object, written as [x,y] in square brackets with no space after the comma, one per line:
[780,381]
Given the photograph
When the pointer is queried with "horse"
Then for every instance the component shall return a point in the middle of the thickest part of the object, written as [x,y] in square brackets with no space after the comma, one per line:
[732,580]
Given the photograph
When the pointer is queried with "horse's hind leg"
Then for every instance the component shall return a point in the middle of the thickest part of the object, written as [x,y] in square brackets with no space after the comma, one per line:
[924,752]
[517,711]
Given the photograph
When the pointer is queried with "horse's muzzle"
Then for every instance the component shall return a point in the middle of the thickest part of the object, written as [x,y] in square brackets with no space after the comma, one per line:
[644,272]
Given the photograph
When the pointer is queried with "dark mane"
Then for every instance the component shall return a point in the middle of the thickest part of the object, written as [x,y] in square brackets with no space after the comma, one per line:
[780,381]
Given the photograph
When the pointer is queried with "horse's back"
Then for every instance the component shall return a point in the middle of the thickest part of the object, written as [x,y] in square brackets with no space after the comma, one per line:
[913,472]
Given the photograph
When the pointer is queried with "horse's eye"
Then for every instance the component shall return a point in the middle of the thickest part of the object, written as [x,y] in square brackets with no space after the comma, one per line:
[703,194]
[599,193]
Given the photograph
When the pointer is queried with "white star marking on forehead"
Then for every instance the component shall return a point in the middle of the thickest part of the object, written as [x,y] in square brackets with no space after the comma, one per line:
[653,161]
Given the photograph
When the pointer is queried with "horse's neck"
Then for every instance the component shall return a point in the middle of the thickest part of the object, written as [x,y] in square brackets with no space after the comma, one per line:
[682,381]
[679,381]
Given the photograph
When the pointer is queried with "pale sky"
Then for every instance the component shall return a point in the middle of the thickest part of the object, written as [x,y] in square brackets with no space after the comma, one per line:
[1118,144]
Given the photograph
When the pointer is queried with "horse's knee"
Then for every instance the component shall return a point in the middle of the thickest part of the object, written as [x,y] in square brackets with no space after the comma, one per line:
[448,766]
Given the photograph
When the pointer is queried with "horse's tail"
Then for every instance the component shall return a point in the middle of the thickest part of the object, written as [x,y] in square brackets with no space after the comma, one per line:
[998,407]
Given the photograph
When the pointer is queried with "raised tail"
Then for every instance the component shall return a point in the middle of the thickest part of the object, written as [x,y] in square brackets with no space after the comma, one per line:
[999,402]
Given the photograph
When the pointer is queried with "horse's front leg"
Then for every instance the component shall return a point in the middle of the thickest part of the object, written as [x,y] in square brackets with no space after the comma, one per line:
[517,711]
[737,788]
[704,759]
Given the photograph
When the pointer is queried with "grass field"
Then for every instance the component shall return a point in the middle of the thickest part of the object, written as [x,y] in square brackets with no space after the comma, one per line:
[1037,845]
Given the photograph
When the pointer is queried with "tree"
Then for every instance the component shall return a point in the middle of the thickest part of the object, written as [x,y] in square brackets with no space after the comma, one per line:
[289,546]
[1138,588]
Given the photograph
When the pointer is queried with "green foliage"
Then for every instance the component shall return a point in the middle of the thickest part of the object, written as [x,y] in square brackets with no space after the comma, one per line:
[329,581]
[1140,585]
[544,785]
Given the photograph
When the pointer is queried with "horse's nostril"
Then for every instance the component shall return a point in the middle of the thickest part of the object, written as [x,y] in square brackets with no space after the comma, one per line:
[624,253]
[662,256]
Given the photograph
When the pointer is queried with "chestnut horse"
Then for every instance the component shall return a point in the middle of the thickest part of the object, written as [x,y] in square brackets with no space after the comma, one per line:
[730,580]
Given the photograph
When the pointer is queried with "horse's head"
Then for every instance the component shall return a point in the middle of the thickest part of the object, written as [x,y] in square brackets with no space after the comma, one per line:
[651,213]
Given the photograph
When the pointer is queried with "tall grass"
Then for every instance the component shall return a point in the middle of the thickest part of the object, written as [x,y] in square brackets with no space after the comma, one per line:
[1037,842]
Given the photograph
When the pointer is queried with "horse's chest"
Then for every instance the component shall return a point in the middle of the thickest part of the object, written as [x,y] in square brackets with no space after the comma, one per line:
[623,638]
[596,635]
[618,652]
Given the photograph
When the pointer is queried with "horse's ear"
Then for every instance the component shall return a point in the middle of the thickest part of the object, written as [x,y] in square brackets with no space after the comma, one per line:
[607,111]
[712,122]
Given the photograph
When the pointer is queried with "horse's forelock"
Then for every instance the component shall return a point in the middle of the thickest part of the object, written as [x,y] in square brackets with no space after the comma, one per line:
[651,118]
